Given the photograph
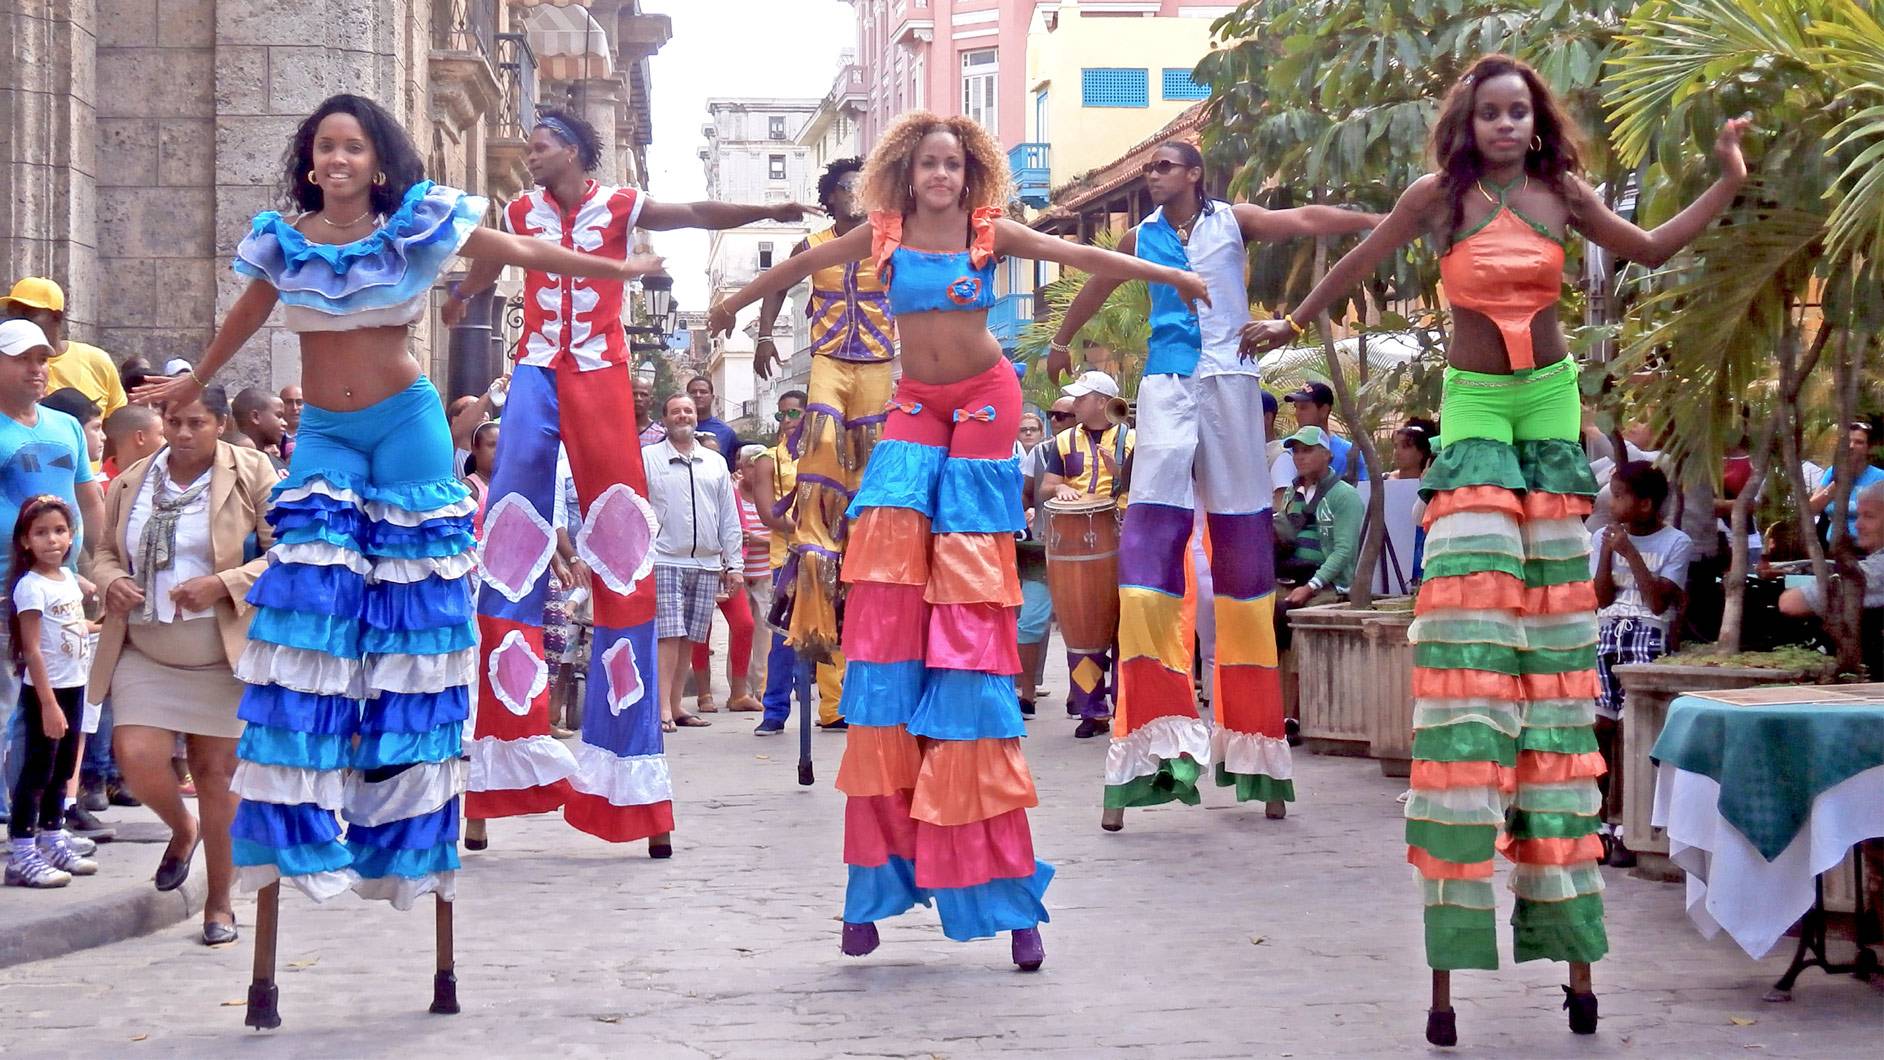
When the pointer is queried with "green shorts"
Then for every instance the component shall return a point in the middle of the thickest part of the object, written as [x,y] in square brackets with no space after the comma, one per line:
[1537,404]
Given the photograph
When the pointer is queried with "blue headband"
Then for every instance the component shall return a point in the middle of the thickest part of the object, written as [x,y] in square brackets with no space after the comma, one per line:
[562,129]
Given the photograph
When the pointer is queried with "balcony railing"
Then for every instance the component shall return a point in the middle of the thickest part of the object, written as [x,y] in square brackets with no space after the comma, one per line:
[516,74]
[1010,316]
[466,26]
[1032,174]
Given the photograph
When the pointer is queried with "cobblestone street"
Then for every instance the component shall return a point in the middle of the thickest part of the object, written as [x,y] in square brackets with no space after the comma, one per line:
[1195,932]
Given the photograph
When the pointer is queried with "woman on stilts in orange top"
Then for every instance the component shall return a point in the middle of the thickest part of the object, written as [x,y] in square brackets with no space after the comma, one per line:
[938,788]
[1504,682]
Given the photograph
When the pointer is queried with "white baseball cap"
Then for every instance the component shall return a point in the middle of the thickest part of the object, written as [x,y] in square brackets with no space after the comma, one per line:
[19,336]
[1092,383]
[176,366]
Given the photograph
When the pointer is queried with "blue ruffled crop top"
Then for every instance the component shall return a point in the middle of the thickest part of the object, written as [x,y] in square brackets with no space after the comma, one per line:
[380,280]
[922,281]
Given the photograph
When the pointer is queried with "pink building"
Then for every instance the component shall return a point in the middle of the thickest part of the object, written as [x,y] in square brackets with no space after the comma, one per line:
[970,56]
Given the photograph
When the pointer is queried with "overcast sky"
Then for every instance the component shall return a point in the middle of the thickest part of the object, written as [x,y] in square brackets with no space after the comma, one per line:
[728,48]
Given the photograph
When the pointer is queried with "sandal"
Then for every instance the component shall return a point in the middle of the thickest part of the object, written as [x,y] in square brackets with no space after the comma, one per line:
[745,703]
[691,721]
[667,725]
[705,704]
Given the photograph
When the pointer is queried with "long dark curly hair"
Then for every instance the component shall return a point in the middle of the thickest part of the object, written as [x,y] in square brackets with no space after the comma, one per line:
[1556,157]
[399,161]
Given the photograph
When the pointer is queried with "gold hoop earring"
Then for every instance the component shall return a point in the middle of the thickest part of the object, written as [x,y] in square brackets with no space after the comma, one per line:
[1537,143]
[312,179]
[379,179]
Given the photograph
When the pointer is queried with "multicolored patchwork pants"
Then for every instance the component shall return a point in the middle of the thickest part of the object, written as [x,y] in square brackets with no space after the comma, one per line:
[613,782]
[843,418]
[937,788]
[1504,683]
[359,657]
[1200,444]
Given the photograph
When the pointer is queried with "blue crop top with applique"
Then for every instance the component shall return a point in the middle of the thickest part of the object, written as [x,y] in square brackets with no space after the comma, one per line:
[382,279]
[922,281]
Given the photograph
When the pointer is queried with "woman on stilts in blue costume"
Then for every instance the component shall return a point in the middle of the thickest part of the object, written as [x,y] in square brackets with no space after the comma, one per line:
[361,640]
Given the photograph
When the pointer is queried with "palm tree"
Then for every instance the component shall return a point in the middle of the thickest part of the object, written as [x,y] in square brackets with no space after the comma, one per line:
[1747,316]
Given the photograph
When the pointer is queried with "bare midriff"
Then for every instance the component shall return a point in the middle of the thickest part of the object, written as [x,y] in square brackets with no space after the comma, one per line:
[345,371]
[941,347]
[1478,346]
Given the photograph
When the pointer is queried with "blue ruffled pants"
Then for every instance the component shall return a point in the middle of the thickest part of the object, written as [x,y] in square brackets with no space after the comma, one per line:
[360,653]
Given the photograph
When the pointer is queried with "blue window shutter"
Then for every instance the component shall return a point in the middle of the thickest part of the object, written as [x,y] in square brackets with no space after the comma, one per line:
[1115,86]
[1178,85]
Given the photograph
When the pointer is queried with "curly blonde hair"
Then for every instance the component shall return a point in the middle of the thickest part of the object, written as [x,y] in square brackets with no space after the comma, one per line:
[887,175]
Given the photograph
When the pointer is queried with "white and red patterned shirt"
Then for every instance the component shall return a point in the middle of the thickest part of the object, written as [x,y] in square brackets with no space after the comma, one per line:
[566,316]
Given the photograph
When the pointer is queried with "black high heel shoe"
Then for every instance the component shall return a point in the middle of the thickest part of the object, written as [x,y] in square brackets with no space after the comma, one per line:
[1442,1026]
[1582,1009]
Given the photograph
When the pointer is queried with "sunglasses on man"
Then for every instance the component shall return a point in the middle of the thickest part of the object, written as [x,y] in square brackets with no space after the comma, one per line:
[1163,166]
[1059,415]
[791,414]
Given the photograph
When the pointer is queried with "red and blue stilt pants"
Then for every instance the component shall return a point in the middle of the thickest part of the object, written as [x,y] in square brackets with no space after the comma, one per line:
[938,791]
[613,781]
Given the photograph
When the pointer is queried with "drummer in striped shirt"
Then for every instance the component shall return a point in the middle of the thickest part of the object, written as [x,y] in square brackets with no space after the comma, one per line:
[1088,461]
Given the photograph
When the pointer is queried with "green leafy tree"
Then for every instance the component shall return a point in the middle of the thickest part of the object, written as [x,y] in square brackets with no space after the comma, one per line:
[1790,286]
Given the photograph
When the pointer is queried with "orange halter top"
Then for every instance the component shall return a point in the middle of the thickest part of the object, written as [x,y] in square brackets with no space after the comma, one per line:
[1509,268]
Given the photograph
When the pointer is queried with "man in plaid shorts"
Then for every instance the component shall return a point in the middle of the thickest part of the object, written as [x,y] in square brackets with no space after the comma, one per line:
[697,552]
[1639,569]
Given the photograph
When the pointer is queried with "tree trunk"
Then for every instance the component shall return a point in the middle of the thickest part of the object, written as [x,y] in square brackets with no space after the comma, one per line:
[1844,603]
[1734,587]
[1374,531]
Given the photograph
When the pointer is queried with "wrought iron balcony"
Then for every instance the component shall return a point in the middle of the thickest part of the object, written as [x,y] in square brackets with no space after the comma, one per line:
[1032,174]
[466,26]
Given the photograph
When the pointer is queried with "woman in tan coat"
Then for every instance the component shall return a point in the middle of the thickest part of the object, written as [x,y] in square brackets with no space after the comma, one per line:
[175,567]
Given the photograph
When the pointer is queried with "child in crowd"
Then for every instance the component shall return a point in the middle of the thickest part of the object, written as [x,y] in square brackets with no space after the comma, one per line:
[1638,566]
[52,646]
[75,404]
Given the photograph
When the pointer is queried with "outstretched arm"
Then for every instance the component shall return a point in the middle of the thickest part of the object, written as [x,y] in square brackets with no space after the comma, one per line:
[1408,219]
[850,246]
[482,275]
[1626,240]
[765,351]
[488,244]
[1276,226]
[1017,240]
[667,216]
[1091,297]
[244,319]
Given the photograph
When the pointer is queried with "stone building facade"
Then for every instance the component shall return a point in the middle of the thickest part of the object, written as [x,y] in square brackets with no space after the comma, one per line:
[146,134]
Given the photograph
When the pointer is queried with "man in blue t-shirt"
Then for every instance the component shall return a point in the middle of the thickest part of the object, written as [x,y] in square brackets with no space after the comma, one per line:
[700,389]
[1863,473]
[1314,403]
[41,451]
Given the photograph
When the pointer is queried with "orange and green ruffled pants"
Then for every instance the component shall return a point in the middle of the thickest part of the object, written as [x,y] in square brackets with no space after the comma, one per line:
[1504,681]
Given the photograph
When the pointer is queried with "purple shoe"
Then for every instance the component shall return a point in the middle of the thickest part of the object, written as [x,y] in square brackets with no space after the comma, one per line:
[860,940]
[1029,951]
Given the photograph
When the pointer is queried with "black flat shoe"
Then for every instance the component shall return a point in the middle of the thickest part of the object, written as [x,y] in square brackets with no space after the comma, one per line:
[217,933]
[1442,1026]
[1582,1009]
[171,872]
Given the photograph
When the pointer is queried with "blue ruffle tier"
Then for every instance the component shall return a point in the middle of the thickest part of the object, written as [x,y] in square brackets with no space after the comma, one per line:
[430,604]
[979,497]
[877,693]
[902,475]
[879,892]
[308,860]
[382,750]
[271,746]
[966,705]
[987,909]
[393,265]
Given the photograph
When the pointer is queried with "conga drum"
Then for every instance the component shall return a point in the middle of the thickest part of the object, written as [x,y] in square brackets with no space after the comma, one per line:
[1083,571]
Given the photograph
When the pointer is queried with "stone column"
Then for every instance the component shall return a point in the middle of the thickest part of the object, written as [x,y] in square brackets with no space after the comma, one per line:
[48,197]
[275,60]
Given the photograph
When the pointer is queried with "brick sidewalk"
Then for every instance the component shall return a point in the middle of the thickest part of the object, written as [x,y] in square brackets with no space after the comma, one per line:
[1196,932]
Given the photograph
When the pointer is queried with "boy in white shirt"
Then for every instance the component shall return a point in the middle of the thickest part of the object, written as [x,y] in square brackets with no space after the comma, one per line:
[1639,568]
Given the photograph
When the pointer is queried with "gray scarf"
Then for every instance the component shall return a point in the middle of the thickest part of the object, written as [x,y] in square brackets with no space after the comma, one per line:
[157,548]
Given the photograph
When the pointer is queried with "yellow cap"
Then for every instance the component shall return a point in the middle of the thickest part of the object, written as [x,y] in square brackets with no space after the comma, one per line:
[37,292]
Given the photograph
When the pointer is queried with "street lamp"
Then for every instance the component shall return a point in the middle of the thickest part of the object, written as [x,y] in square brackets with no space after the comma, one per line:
[659,289]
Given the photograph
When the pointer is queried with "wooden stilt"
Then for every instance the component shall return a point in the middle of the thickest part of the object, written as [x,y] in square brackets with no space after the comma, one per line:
[1442,1026]
[1275,809]
[661,846]
[802,681]
[264,1013]
[1580,978]
[1112,819]
[1579,1000]
[445,980]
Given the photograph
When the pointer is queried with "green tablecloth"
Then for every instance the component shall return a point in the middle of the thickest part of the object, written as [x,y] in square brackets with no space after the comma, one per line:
[1772,760]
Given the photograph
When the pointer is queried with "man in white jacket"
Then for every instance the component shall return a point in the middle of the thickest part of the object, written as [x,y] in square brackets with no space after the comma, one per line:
[697,552]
